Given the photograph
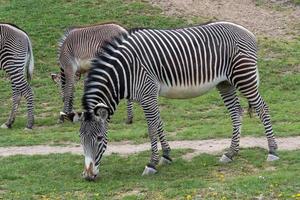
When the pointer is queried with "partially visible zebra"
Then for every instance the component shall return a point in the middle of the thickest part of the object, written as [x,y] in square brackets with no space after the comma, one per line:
[76,48]
[178,63]
[16,59]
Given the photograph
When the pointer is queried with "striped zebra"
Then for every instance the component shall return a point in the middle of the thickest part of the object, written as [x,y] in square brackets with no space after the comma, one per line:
[16,59]
[76,49]
[178,63]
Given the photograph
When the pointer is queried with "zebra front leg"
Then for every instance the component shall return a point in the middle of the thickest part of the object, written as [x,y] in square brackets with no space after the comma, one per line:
[16,102]
[151,111]
[129,112]
[68,93]
[231,102]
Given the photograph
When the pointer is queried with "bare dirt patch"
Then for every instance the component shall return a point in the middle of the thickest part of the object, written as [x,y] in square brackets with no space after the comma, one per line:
[212,146]
[260,17]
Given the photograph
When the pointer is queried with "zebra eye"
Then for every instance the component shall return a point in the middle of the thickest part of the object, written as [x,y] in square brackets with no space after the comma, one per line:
[99,138]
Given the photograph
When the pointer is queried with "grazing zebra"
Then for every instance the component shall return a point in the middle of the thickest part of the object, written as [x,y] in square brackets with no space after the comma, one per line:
[177,63]
[16,59]
[76,48]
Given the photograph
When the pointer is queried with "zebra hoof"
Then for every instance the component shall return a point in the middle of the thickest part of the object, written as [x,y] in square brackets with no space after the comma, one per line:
[225,159]
[27,129]
[4,126]
[60,121]
[164,160]
[129,121]
[272,157]
[149,171]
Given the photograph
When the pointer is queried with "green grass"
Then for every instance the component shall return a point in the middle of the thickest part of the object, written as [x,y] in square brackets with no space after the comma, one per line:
[58,177]
[199,118]
[296,2]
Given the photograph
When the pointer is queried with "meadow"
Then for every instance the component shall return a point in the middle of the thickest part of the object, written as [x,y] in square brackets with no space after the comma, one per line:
[57,176]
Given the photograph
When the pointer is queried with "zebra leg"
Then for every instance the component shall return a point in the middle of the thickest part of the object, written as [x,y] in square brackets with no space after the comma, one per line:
[28,94]
[16,102]
[262,111]
[250,90]
[129,112]
[68,92]
[165,159]
[231,102]
[150,107]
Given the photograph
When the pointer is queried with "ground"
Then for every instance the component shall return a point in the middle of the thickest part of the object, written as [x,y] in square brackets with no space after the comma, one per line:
[263,17]
[213,146]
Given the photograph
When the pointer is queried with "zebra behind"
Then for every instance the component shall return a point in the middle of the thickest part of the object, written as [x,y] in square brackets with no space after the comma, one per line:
[16,59]
[177,63]
[76,49]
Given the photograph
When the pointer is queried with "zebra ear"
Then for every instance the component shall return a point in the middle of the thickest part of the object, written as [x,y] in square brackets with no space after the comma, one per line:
[101,112]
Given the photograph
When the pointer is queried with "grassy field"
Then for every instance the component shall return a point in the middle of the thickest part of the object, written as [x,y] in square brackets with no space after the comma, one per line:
[58,176]
[198,118]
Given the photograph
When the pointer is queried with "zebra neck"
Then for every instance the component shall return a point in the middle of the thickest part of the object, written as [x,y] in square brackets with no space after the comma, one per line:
[107,83]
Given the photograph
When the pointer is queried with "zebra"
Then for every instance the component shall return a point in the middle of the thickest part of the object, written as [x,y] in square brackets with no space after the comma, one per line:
[76,48]
[16,59]
[176,63]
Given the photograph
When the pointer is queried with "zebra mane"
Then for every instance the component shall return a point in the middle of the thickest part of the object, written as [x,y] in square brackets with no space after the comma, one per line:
[62,40]
[96,24]
[134,30]
[109,46]
[108,49]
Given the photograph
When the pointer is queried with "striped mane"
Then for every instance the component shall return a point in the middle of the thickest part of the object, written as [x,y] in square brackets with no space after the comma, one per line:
[109,48]
[62,40]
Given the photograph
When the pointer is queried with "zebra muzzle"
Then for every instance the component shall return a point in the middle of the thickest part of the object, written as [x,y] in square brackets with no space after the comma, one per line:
[88,173]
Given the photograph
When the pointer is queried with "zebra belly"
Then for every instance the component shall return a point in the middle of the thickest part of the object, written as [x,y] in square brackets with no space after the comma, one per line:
[185,92]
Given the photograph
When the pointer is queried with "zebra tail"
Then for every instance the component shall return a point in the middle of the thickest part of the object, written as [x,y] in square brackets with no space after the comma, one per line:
[30,65]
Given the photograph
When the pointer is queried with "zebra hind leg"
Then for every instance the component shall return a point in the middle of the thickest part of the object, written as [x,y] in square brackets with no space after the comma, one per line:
[16,102]
[28,94]
[262,111]
[250,91]
[129,112]
[165,159]
[231,102]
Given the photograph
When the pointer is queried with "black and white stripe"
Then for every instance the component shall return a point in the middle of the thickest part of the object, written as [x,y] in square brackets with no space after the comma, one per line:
[76,48]
[16,59]
[178,63]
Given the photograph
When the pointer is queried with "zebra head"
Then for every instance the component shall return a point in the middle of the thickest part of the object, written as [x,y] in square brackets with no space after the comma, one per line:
[94,139]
